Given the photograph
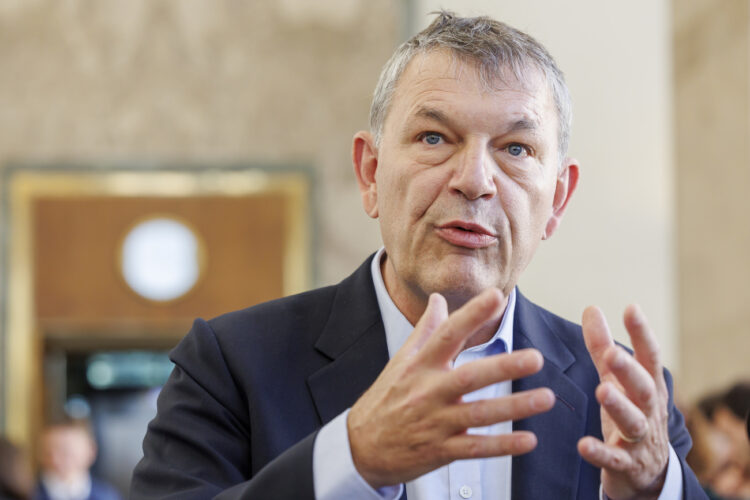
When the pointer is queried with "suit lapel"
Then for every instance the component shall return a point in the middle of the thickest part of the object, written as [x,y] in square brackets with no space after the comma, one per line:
[555,463]
[354,339]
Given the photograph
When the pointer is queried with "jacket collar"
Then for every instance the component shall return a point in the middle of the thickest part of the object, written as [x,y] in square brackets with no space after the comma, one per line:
[354,339]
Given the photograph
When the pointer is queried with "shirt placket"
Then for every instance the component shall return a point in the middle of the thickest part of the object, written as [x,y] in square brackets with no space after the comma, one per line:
[465,476]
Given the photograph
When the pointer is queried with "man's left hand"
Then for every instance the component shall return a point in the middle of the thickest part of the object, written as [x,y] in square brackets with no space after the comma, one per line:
[633,396]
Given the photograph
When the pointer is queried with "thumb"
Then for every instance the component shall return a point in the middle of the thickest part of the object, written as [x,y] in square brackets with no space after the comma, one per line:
[433,316]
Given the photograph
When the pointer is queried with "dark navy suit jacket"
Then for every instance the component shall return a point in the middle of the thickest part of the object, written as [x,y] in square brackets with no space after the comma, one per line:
[240,412]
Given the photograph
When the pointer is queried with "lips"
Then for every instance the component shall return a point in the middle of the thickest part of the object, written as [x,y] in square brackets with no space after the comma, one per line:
[466,234]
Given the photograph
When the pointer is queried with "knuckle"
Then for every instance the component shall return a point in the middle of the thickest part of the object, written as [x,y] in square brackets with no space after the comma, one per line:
[475,449]
[654,355]
[477,414]
[414,403]
[663,413]
[447,335]
[639,428]
[647,394]
[464,378]
[410,369]
[444,454]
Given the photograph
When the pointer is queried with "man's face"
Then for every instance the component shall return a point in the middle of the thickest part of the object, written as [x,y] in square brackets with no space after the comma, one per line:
[67,452]
[465,181]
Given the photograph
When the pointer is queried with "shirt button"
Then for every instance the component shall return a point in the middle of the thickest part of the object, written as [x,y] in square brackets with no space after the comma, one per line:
[465,492]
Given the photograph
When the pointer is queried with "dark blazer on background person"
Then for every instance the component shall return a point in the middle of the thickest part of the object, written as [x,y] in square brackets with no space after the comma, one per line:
[239,414]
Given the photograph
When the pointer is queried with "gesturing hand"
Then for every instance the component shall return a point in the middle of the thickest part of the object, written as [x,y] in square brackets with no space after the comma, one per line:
[633,397]
[413,420]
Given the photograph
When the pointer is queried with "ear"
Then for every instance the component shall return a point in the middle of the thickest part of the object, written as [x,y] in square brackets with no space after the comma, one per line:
[365,159]
[567,180]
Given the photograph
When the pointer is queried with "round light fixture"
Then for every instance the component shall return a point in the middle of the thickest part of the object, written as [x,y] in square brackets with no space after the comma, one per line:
[161,259]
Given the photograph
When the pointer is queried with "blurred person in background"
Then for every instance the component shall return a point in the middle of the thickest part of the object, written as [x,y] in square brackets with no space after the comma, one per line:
[721,452]
[729,417]
[711,454]
[16,481]
[67,452]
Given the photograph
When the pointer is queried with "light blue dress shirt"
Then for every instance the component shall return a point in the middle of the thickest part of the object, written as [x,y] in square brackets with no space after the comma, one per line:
[335,476]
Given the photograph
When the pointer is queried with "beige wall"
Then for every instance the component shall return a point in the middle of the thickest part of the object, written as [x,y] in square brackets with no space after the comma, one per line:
[200,82]
[615,245]
[712,55]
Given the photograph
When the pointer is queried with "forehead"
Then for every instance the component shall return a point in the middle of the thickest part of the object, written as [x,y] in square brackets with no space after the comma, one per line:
[66,433]
[441,78]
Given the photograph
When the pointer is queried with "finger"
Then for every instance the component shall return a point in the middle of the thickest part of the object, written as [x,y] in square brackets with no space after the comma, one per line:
[637,383]
[434,315]
[597,337]
[604,456]
[645,345]
[628,418]
[491,411]
[464,445]
[490,370]
[452,334]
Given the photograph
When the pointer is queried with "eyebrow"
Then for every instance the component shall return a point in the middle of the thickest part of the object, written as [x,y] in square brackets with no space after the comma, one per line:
[440,117]
[433,114]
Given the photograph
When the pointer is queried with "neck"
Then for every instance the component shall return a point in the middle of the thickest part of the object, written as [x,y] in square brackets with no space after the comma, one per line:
[485,333]
[412,304]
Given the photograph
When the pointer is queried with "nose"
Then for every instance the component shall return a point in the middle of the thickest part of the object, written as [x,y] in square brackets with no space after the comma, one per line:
[473,176]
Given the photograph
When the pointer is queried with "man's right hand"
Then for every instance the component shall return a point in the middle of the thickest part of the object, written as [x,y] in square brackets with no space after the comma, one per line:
[413,419]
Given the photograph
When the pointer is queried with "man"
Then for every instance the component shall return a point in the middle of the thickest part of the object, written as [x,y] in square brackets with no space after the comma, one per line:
[336,394]
[68,451]
[724,448]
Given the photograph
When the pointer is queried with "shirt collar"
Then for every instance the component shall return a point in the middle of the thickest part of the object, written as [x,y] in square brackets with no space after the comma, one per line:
[398,328]
[57,489]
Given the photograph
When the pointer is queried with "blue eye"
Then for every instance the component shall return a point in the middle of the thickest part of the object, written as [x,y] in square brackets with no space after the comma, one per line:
[516,150]
[432,138]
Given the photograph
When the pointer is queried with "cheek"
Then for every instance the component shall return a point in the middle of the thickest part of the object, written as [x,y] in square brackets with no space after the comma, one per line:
[410,192]
[527,207]
[540,193]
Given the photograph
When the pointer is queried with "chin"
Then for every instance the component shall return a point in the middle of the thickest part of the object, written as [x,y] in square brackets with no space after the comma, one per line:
[458,288]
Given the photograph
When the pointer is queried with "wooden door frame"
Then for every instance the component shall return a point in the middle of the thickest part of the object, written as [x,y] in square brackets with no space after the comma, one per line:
[20,340]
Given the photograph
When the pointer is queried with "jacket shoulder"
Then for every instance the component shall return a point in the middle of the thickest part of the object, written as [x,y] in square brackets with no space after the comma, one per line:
[305,311]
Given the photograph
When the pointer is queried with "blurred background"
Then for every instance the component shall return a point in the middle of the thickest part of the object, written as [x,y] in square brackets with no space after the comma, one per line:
[162,160]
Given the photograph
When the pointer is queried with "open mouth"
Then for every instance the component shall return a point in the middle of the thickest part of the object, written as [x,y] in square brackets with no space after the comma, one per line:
[466,234]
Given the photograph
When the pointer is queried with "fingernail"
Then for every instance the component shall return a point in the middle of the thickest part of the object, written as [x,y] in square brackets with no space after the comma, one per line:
[540,400]
[528,360]
[523,440]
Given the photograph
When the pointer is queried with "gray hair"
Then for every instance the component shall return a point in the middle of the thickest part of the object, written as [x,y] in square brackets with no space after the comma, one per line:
[493,46]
